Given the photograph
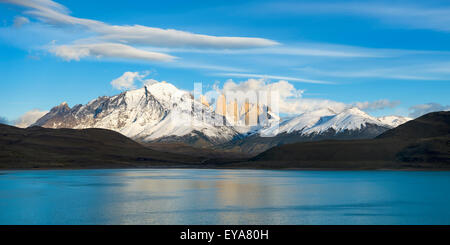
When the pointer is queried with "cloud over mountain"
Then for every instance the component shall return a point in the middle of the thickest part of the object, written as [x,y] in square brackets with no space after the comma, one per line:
[29,118]
[291,100]
[377,105]
[419,110]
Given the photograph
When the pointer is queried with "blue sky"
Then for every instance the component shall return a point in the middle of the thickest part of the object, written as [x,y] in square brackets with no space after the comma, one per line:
[389,57]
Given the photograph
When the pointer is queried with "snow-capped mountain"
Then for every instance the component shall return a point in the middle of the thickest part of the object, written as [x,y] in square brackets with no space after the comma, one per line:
[394,121]
[298,123]
[321,124]
[159,111]
[325,120]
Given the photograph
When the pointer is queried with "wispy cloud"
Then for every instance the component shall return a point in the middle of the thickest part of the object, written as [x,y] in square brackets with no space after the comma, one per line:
[110,50]
[54,13]
[205,66]
[174,38]
[424,72]
[19,21]
[302,49]
[293,79]
[406,15]
[376,105]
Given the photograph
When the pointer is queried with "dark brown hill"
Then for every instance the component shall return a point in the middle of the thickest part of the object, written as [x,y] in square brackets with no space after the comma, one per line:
[88,148]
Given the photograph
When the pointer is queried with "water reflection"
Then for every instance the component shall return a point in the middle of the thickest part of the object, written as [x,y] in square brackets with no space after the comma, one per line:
[182,196]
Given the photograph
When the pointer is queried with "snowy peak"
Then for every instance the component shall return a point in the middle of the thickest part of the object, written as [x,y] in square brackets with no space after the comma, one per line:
[349,119]
[59,111]
[302,122]
[394,121]
[61,108]
[323,120]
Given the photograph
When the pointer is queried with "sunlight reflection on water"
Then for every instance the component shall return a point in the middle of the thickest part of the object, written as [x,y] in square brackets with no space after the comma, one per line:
[189,196]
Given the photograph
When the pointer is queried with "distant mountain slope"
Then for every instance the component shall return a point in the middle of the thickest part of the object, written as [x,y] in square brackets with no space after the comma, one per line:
[423,142]
[54,148]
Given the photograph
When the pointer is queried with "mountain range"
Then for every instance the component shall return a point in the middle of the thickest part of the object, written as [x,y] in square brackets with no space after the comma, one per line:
[323,124]
[156,113]
[162,113]
[422,143]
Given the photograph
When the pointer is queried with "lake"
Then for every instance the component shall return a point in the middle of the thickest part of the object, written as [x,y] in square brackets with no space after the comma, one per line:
[193,196]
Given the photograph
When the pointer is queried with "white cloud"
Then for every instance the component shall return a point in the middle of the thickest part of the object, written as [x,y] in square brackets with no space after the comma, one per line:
[39,4]
[29,118]
[294,79]
[419,110]
[128,80]
[174,38]
[306,104]
[376,105]
[55,13]
[110,50]
[290,101]
[284,88]
[20,21]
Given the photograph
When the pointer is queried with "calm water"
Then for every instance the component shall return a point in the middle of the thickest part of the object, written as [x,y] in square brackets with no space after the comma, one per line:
[175,196]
